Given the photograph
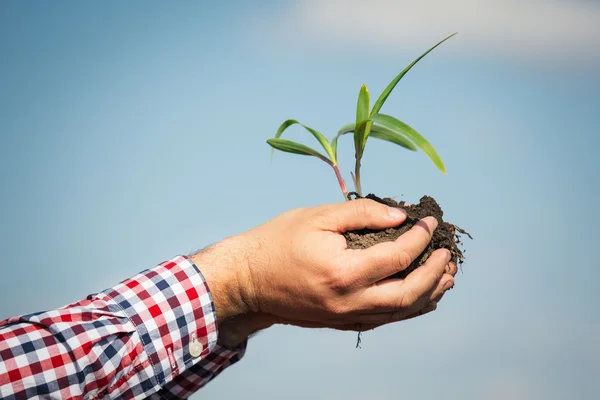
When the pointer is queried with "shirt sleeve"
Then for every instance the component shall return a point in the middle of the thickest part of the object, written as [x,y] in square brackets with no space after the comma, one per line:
[151,336]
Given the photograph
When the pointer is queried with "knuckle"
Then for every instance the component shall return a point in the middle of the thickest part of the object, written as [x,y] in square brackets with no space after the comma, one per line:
[367,208]
[339,282]
[402,258]
[361,206]
[324,215]
[335,281]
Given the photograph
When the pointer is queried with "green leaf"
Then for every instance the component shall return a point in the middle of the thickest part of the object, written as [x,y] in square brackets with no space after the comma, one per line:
[388,90]
[378,132]
[289,146]
[343,130]
[363,125]
[346,129]
[361,130]
[422,143]
[383,133]
[319,136]
[362,105]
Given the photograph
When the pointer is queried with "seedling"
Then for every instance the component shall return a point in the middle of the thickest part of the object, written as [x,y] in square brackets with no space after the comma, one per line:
[367,124]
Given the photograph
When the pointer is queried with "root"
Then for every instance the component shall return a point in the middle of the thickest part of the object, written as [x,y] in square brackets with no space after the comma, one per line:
[356,196]
[460,230]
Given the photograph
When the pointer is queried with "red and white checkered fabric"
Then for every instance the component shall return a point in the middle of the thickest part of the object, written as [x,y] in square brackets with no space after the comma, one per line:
[128,342]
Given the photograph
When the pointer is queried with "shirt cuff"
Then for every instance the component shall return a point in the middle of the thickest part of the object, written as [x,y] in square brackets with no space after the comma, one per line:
[173,312]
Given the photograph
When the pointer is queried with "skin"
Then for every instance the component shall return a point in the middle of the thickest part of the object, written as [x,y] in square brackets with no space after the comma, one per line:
[297,270]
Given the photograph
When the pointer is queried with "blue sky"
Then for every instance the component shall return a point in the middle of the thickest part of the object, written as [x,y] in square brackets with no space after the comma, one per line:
[133,132]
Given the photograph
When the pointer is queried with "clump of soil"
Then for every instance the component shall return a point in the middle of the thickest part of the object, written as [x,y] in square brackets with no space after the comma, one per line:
[446,235]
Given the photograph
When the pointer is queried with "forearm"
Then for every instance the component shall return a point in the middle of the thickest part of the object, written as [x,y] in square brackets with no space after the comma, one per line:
[128,341]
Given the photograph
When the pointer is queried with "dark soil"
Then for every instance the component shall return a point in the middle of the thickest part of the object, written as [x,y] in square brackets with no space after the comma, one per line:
[446,234]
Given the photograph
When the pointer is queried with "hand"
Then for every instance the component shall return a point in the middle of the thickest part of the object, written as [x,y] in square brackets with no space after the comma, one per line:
[297,269]
[236,329]
[357,327]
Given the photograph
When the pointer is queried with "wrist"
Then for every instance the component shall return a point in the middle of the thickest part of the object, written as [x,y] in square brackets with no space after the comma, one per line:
[233,331]
[224,267]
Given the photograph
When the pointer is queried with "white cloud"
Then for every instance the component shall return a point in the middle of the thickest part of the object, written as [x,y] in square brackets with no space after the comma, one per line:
[546,30]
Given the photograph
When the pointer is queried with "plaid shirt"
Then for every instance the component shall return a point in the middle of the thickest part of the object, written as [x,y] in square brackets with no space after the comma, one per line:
[153,336]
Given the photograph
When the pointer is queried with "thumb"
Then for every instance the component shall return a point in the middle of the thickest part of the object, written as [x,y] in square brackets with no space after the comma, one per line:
[364,213]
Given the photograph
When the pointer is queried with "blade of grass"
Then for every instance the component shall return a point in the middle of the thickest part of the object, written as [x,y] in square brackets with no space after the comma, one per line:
[384,95]
[289,146]
[422,143]
[319,136]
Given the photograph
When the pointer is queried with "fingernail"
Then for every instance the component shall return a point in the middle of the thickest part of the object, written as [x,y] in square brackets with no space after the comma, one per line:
[448,255]
[396,213]
[431,220]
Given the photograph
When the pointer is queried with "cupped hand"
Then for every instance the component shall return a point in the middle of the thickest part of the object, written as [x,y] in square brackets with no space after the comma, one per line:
[297,267]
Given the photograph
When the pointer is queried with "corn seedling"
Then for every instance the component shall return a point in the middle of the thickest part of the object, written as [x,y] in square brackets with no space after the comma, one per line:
[367,124]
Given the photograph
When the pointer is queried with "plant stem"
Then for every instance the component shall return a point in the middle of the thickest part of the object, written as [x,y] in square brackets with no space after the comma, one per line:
[340,181]
[357,177]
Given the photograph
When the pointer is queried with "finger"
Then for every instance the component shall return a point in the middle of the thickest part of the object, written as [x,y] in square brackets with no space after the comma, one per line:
[396,316]
[385,259]
[432,306]
[303,324]
[362,327]
[345,326]
[451,269]
[355,327]
[446,283]
[360,214]
[446,289]
[403,297]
